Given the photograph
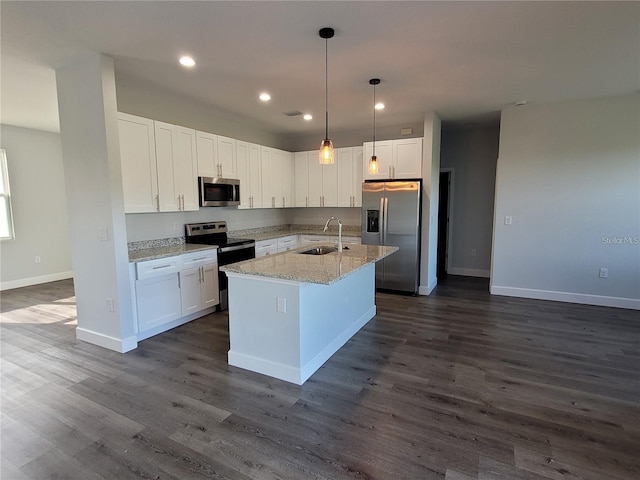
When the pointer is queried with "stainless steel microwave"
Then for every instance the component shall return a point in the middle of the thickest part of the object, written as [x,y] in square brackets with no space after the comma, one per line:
[218,192]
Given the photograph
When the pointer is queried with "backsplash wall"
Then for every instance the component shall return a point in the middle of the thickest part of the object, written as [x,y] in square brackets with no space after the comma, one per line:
[153,226]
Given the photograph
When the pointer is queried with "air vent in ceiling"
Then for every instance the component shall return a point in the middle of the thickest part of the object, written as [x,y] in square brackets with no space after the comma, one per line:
[292,113]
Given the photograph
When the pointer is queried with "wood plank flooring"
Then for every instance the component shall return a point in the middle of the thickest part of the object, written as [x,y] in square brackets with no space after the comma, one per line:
[459,385]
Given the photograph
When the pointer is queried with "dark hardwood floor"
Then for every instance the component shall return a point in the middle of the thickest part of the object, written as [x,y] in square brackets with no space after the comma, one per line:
[458,385]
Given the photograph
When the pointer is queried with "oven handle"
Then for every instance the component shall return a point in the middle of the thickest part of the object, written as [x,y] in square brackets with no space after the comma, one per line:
[236,247]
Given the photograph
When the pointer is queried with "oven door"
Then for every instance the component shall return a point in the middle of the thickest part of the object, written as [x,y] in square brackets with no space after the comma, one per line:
[218,192]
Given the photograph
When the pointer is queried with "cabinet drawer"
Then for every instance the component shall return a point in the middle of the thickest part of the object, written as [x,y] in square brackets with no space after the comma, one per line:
[197,259]
[266,247]
[287,243]
[159,266]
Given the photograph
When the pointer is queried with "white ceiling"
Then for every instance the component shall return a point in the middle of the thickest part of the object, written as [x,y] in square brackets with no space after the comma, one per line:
[463,60]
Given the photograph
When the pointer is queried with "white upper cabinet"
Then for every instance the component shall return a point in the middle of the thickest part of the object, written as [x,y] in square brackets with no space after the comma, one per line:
[270,179]
[176,163]
[138,163]
[158,165]
[301,179]
[349,162]
[185,169]
[407,156]
[323,182]
[397,159]
[216,155]
[227,157]
[284,169]
[207,151]
[249,173]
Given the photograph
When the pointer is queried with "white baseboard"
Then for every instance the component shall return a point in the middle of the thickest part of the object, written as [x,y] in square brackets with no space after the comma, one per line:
[599,300]
[25,282]
[469,272]
[426,290]
[120,345]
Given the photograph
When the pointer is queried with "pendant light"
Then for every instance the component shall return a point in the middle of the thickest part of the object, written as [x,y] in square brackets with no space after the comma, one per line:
[326,147]
[373,162]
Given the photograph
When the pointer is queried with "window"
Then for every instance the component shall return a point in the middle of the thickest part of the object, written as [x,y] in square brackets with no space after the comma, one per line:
[6,215]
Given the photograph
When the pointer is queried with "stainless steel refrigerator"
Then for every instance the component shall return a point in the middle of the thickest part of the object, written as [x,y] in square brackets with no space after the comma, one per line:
[391,216]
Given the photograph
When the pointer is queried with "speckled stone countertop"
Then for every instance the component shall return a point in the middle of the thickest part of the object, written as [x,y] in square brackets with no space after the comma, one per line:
[167,247]
[267,233]
[324,269]
[140,255]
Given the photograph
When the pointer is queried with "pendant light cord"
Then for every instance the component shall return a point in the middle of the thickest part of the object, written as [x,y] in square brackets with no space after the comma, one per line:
[326,88]
[374,119]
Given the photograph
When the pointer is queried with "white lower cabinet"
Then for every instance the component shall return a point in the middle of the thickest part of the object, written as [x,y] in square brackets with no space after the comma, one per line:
[266,247]
[287,243]
[172,290]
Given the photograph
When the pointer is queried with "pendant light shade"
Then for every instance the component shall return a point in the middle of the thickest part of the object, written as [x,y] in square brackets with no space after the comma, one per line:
[373,161]
[326,156]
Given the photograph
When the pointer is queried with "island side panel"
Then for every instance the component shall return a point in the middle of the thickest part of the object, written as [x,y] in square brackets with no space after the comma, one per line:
[264,328]
[331,314]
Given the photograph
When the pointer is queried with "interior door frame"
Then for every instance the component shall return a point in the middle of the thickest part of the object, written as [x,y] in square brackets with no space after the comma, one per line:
[451,172]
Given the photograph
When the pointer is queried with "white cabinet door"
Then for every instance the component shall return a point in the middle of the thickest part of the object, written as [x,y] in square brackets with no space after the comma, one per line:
[165,151]
[357,176]
[207,153]
[226,157]
[285,170]
[301,179]
[185,169]
[329,185]
[209,287]
[242,167]
[407,157]
[190,295]
[249,172]
[271,177]
[255,176]
[158,301]
[138,163]
[384,153]
[315,179]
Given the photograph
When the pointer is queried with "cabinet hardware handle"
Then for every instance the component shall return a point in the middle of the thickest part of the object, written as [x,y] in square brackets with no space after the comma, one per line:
[179,280]
[158,202]
[283,202]
[306,201]
[162,266]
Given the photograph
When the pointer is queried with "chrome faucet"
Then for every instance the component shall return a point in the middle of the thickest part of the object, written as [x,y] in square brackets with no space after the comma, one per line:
[326,226]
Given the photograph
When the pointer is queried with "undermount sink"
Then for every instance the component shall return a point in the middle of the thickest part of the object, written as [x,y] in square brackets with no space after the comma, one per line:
[322,250]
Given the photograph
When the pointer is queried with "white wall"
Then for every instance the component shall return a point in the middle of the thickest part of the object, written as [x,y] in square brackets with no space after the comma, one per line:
[430,201]
[471,154]
[36,176]
[569,176]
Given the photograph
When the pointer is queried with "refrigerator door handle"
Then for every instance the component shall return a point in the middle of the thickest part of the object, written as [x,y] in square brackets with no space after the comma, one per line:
[386,217]
[382,217]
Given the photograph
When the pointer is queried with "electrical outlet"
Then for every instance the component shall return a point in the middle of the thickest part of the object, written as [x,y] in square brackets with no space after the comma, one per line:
[103,234]
[38,259]
[604,273]
[473,252]
[508,220]
[176,226]
[110,304]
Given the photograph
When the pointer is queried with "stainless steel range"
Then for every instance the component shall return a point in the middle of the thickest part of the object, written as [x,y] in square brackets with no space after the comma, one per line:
[230,250]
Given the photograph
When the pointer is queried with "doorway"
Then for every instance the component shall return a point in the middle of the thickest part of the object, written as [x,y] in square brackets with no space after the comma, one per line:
[444,222]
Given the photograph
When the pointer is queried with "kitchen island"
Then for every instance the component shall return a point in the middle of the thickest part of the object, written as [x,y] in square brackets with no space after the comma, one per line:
[289,312]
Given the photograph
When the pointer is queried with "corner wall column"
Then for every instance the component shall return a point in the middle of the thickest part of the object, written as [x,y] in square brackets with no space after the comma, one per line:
[93,178]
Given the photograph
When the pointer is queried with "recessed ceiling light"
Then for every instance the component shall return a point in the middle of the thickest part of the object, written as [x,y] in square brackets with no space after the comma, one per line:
[265,97]
[308,116]
[379,106]
[187,61]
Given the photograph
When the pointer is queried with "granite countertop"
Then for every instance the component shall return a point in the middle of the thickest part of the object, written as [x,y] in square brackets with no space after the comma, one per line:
[323,269]
[151,253]
[268,233]
[168,247]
